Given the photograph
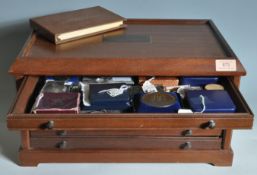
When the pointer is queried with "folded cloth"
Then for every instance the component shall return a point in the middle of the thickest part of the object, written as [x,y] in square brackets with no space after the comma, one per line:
[102,98]
[57,103]
[198,81]
[217,101]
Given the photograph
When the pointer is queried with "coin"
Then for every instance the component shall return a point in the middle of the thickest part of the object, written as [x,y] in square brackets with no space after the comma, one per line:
[158,99]
[213,87]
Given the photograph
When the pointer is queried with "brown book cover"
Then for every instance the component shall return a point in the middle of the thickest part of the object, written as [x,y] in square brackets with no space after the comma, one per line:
[71,25]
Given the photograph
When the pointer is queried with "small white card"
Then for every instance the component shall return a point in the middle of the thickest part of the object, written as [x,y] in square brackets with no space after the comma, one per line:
[185,111]
[226,65]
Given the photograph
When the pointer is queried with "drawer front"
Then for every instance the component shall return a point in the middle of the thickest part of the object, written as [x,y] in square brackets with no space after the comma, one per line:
[21,118]
[122,142]
[142,132]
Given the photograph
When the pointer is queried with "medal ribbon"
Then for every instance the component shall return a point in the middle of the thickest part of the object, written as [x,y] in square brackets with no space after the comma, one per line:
[113,92]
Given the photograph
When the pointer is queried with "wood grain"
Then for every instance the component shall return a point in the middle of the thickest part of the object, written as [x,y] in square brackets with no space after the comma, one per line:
[17,119]
[176,46]
[128,142]
[25,139]
[24,94]
[216,157]
[127,132]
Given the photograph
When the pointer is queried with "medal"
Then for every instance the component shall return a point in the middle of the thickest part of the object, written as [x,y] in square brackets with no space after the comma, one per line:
[158,99]
[213,87]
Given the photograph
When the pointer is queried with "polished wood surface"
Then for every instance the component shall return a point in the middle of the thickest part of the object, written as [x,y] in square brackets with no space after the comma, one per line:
[25,139]
[133,132]
[24,94]
[132,121]
[127,142]
[19,119]
[127,132]
[165,40]
[174,45]
[53,25]
[227,136]
[215,157]
[151,47]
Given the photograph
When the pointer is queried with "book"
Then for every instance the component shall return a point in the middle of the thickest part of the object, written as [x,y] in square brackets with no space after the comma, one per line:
[72,25]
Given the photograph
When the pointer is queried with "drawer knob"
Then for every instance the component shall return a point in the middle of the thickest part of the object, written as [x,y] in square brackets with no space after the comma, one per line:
[187,145]
[211,124]
[62,133]
[62,145]
[49,124]
[187,132]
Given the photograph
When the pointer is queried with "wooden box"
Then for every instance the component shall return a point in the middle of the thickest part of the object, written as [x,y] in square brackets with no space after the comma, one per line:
[150,48]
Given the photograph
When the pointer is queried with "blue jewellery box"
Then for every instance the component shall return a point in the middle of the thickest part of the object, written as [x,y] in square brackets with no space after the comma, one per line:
[198,81]
[217,101]
[157,102]
[101,99]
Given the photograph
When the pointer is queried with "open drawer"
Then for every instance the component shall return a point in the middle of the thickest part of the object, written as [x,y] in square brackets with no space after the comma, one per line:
[20,117]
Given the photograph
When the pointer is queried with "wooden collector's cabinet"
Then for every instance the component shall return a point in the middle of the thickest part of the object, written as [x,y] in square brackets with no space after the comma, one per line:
[151,48]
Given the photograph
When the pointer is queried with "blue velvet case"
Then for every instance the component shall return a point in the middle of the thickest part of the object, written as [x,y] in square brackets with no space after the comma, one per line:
[141,107]
[217,101]
[103,101]
[198,81]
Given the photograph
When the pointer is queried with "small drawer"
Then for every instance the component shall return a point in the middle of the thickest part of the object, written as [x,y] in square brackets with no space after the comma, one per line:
[128,132]
[140,142]
[21,118]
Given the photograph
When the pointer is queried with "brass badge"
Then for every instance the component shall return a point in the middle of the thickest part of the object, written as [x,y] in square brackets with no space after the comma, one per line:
[214,87]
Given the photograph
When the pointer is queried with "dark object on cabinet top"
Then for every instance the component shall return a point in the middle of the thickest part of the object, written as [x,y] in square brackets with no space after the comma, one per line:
[72,25]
